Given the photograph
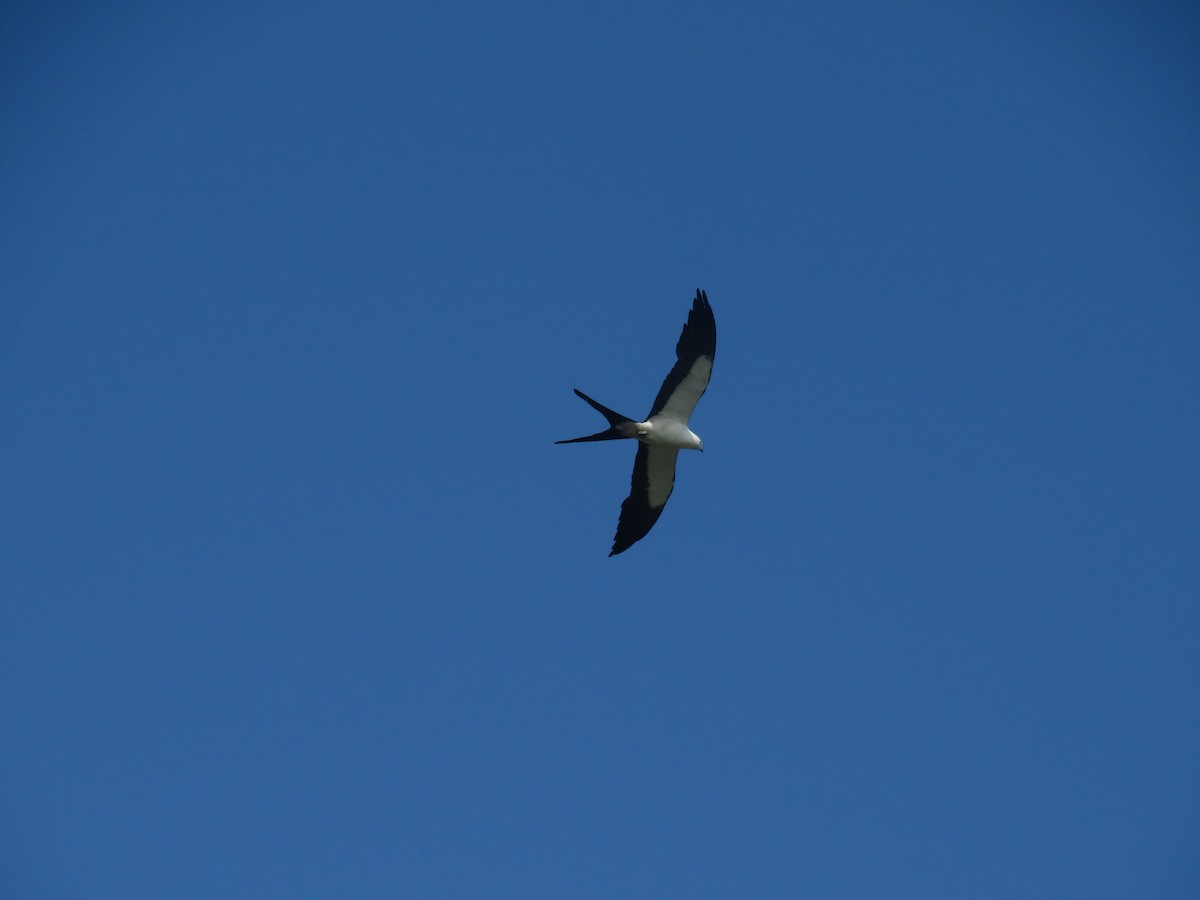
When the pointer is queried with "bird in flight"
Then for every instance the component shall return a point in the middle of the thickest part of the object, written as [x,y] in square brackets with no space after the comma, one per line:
[665,431]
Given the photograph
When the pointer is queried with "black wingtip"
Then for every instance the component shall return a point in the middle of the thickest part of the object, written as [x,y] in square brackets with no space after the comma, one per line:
[699,335]
[620,547]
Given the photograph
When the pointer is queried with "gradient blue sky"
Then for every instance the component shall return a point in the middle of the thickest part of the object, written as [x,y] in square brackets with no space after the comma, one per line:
[301,600]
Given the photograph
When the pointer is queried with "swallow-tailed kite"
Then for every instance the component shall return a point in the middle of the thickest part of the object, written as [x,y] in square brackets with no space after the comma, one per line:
[665,431]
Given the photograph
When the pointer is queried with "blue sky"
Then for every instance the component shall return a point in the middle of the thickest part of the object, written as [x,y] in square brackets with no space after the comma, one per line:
[301,599]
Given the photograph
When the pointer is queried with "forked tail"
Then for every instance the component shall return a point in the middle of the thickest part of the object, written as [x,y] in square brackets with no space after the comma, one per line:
[615,420]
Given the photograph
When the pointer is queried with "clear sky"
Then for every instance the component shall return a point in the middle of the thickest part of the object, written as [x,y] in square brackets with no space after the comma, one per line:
[301,600]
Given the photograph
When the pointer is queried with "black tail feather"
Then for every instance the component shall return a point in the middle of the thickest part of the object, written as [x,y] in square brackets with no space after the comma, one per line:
[610,435]
[614,419]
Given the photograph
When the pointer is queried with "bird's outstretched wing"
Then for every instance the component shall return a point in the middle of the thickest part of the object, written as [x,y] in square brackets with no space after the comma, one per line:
[651,485]
[695,352]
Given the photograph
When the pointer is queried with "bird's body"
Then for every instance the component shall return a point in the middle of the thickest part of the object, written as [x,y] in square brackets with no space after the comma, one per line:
[665,431]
